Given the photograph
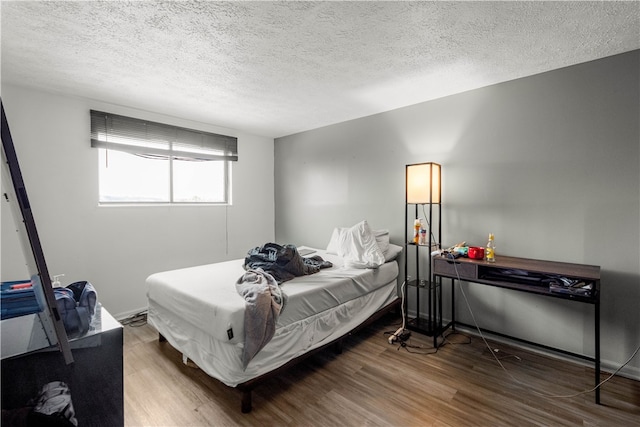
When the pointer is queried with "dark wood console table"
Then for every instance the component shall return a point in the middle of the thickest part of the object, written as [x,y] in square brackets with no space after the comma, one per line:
[525,280]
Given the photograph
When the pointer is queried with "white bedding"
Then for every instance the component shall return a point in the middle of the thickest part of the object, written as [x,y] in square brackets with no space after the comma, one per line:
[206,296]
[195,307]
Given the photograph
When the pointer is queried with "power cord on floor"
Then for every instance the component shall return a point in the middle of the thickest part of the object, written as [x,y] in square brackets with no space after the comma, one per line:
[136,320]
[603,381]
[433,350]
[528,386]
[404,342]
[446,340]
[401,333]
[402,309]
[417,349]
[401,336]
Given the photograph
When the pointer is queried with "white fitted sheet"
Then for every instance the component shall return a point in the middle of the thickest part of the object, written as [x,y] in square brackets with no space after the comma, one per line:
[320,308]
[206,296]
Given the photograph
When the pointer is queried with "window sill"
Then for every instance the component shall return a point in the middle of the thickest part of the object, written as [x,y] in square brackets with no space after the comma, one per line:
[160,204]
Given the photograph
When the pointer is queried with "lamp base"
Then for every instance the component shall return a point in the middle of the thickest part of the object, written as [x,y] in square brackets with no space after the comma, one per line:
[424,326]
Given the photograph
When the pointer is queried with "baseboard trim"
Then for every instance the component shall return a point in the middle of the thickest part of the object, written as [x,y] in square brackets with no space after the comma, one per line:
[122,316]
[606,366]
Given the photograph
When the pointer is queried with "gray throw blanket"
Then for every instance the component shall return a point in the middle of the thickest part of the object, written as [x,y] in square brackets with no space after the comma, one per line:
[264,302]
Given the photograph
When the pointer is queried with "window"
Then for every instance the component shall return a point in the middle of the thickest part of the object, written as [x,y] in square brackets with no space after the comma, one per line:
[147,162]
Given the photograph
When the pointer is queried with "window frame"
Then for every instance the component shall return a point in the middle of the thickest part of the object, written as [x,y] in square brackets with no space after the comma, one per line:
[112,132]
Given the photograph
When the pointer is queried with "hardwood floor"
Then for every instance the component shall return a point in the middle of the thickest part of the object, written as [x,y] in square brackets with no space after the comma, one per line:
[375,383]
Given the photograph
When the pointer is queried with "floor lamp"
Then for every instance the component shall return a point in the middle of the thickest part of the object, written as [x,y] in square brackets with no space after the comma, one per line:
[424,189]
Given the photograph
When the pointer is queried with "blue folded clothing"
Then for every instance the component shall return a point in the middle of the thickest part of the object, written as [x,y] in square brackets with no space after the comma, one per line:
[17,300]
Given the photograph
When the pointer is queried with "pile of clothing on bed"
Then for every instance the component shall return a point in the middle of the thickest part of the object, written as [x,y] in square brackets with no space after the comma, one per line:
[283,262]
[266,268]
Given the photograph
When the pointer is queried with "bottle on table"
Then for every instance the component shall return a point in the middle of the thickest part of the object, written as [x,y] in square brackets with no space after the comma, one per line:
[490,251]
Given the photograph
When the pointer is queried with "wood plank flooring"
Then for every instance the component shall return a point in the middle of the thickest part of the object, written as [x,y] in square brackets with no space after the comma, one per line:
[374,383]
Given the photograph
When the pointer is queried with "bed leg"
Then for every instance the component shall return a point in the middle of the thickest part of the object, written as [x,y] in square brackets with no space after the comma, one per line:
[161,338]
[246,401]
[337,347]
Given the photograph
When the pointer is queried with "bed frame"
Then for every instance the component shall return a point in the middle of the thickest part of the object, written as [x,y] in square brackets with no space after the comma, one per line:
[247,387]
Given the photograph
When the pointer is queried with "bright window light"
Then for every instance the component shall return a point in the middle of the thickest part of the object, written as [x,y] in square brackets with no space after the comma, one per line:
[130,178]
[148,162]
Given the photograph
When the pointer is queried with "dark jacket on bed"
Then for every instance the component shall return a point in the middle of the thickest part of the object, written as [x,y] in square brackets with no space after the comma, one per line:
[283,262]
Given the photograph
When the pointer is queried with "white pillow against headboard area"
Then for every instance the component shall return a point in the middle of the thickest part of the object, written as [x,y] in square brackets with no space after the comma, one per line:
[362,247]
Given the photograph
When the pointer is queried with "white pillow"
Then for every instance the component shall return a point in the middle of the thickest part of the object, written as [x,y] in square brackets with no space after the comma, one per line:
[358,247]
[382,238]
[334,242]
[393,252]
[389,250]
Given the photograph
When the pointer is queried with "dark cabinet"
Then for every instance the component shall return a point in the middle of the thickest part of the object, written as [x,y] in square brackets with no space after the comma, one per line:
[95,378]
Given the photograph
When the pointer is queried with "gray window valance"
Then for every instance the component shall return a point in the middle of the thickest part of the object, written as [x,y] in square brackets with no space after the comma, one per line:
[158,140]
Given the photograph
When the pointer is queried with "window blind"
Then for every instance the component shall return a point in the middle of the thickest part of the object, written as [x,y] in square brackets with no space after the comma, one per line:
[151,139]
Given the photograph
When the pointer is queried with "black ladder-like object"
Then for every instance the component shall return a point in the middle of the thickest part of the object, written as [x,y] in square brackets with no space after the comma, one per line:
[50,318]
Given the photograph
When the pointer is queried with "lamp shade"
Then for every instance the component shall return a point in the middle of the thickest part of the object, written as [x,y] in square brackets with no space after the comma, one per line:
[423,183]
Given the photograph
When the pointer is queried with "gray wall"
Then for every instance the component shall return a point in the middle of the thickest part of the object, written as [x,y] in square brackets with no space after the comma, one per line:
[549,163]
[117,248]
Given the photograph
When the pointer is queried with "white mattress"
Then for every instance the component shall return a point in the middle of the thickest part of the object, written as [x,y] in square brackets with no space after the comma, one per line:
[320,308]
[206,296]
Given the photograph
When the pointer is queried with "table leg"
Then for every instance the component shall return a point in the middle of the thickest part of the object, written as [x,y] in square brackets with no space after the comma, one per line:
[597,350]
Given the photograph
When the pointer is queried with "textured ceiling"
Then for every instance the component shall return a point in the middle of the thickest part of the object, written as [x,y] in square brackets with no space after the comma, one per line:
[277,68]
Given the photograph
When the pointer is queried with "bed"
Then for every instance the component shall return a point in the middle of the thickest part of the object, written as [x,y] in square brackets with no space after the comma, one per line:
[200,313]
